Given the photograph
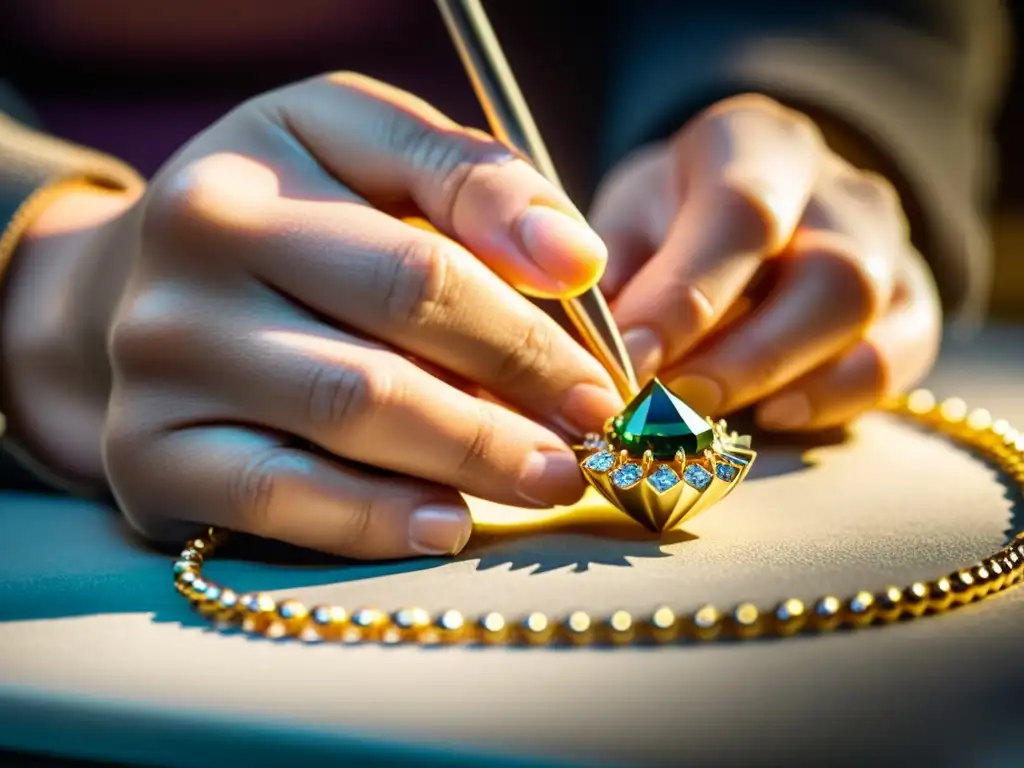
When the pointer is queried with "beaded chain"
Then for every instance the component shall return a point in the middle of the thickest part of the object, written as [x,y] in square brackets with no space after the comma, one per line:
[261,614]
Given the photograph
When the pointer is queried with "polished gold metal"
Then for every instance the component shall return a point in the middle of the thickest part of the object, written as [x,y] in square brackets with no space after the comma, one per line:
[725,465]
[261,614]
[511,122]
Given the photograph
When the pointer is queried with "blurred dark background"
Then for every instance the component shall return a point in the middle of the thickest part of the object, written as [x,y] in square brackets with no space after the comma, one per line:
[1008,290]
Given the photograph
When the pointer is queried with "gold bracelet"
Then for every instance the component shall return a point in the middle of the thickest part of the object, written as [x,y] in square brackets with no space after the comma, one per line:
[261,614]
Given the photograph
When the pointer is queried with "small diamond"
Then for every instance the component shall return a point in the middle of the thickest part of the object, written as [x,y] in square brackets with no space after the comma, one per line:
[627,475]
[725,472]
[663,478]
[600,462]
[697,476]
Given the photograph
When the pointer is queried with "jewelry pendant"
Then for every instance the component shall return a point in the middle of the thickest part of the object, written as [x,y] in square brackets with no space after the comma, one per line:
[661,462]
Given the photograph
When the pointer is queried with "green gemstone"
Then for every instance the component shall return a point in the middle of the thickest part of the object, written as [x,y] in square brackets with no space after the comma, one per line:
[658,421]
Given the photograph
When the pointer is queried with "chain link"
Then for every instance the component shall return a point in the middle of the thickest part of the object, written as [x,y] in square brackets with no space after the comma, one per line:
[261,614]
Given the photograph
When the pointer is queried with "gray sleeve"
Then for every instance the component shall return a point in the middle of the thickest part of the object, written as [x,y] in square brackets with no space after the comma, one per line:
[919,79]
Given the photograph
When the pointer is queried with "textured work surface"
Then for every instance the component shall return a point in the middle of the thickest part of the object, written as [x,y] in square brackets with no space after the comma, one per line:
[100,657]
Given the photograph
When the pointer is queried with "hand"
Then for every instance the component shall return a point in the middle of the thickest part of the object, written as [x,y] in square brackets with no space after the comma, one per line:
[292,359]
[752,265]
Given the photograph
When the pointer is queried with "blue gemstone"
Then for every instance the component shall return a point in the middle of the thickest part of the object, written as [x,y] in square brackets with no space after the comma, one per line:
[600,462]
[322,616]
[725,472]
[627,475]
[697,476]
[663,478]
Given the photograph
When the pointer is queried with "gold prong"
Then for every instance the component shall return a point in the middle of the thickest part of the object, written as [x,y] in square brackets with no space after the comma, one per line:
[681,457]
[623,456]
[646,461]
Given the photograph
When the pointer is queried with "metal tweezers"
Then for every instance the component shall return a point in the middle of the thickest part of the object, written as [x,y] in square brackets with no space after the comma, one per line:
[512,123]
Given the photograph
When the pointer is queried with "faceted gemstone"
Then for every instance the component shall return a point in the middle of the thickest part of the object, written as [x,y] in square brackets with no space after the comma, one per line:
[600,462]
[627,475]
[697,476]
[658,421]
[725,472]
[663,478]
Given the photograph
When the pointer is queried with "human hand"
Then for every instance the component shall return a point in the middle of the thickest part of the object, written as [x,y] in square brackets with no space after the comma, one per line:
[751,265]
[277,301]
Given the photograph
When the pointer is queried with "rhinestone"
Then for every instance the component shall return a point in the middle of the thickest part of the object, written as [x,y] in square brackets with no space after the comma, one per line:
[725,472]
[600,462]
[663,478]
[697,476]
[627,475]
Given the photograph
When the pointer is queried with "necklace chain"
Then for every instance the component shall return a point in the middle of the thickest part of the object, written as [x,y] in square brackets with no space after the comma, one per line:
[261,614]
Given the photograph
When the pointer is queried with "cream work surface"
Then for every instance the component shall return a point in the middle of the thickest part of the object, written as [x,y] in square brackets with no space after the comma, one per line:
[101,658]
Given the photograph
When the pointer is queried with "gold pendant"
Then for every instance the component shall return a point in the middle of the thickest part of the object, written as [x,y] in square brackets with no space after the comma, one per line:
[661,462]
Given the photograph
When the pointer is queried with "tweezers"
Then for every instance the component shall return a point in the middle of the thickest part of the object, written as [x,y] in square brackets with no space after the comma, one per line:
[511,122]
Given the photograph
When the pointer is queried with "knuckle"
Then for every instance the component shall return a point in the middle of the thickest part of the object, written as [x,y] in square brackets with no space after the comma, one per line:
[356,525]
[480,446]
[872,189]
[745,102]
[696,309]
[446,158]
[143,336]
[744,203]
[528,360]
[344,397]
[420,144]
[251,490]
[415,285]
[216,193]
[763,112]
[850,286]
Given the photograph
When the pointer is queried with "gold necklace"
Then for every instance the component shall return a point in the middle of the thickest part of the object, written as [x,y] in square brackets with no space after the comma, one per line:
[261,614]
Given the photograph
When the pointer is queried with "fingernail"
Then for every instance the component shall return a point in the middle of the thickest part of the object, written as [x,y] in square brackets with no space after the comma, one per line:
[562,247]
[550,478]
[789,411]
[700,393]
[645,351]
[586,407]
[439,530]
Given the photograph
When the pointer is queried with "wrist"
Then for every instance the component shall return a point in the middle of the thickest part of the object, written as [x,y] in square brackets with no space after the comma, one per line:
[56,299]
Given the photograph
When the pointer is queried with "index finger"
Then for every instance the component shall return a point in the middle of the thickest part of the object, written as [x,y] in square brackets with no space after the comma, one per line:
[395,150]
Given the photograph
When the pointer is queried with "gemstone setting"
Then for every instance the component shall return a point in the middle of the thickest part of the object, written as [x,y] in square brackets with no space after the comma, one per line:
[600,462]
[658,421]
[697,477]
[725,472]
[663,478]
[627,475]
